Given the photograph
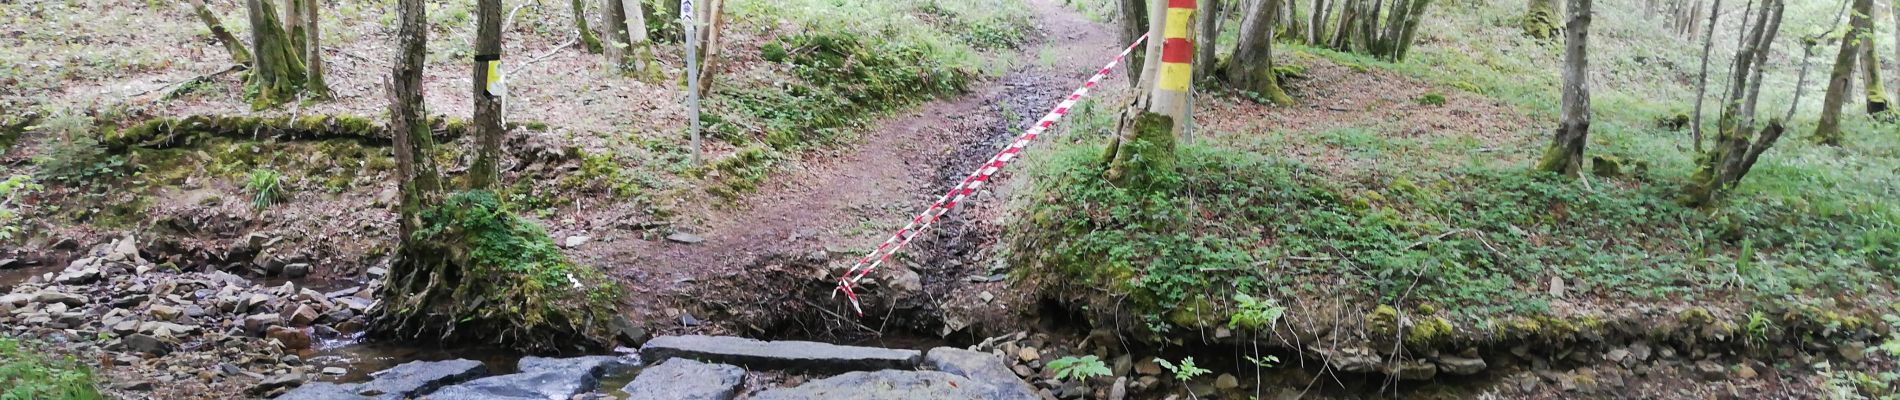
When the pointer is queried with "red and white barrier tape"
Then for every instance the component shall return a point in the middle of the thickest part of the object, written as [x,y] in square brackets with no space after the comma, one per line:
[967,186]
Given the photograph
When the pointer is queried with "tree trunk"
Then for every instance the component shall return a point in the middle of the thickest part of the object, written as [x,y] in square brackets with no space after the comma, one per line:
[1251,67]
[1565,155]
[1315,29]
[588,41]
[313,56]
[293,25]
[1206,38]
[1828,130]
[238,54]
[715,17]
[1540,20]
[613,20]
[277,72]
[1877,100]
[408,125]
[1801,78]
[1134,22]
[484,90]
[1410,31]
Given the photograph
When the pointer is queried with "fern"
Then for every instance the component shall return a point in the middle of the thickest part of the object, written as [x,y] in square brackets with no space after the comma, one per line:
[1072,368]
[1185,371]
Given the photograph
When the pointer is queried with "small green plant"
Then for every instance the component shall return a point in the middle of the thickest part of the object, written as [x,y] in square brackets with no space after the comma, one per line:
[1185,371]
[1254,313]
[1072,368]
[75,156]
[13,188]
[1268,361]
[1431,99]
[266,187]
[25,374]
[1758,325]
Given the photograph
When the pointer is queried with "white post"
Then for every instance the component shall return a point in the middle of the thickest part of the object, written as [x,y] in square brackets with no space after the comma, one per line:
[690,22]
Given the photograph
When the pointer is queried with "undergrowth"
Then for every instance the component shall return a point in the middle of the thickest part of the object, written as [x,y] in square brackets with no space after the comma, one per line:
[1477,244]
[27,374]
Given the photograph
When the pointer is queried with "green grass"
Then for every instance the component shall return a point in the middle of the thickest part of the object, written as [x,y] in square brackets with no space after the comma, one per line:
[27,374]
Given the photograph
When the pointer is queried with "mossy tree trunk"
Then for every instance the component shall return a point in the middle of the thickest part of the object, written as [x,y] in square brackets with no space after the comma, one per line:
[278,71]
[588,41]
[313,55]
[1381,28]
[1251,66]
[1134,22]
[1740,143]
[1828,130]
[231,44]
[1143,152]
[1540,20]
[1877,100]
[1702,78]
[1565,155]
[485,171]
[294,26]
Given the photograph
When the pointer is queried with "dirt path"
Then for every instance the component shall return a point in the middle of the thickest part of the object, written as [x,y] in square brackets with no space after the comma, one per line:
[834,207]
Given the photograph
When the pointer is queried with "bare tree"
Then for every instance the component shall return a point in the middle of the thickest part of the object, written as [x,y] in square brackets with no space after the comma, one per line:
[1565,155]
[1828,130]
[231,44]
[708,65]
[1251,67]
[1740,143]
[1702,77]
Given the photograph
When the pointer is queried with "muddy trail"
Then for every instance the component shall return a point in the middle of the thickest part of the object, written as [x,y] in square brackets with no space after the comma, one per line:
[765,264]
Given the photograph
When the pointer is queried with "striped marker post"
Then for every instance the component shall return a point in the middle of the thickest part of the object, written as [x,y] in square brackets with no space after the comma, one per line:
[1170,96]
[967,186]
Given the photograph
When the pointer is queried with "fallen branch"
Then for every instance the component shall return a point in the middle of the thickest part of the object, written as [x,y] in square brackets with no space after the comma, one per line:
[195,79]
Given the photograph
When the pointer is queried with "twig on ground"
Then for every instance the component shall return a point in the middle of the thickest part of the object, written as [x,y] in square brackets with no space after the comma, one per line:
[199,78]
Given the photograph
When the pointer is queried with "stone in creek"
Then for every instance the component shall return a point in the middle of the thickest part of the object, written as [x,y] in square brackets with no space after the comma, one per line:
[885,385]
[1460,365]
[291,338]
[146,344]
[289,380]
[593,365]
[791,355]
[256,324]
[983,367]
[164,312]
[685,379]
[62,298]
[417,378]
[545,384]
[323,391]
[304,316]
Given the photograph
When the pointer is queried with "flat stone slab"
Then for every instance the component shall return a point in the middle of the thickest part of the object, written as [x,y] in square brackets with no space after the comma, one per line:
[885,385]
[686,379]
[539,385]
[417,378]
[593,365]
[322,391]
[982,367]
[780,355]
